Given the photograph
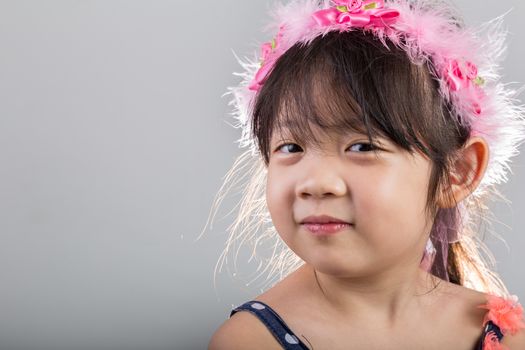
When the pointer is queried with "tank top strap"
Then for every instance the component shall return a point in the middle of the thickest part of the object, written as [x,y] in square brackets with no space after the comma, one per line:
[274,323]
[491,337]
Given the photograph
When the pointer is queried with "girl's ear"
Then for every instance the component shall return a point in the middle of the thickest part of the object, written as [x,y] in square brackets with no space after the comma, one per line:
[466,172]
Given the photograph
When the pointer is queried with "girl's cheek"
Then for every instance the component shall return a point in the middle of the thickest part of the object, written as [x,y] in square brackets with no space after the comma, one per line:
[272,188]
[277,200]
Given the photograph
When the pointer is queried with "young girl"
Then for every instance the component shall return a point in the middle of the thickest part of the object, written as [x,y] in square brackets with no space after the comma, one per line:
[376,133]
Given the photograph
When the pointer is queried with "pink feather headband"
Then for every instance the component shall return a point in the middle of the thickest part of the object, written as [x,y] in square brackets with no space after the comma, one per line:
[465,64]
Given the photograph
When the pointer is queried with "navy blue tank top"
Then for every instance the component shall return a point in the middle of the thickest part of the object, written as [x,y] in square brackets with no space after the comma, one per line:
[290,341]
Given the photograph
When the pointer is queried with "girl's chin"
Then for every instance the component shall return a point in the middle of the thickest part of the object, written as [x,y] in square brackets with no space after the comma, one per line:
[338,267]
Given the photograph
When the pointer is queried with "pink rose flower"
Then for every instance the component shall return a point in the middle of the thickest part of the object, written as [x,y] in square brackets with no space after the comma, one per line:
[472,70]
[351,5]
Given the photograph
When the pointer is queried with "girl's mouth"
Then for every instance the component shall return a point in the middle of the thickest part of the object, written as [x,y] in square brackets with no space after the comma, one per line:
[326,229]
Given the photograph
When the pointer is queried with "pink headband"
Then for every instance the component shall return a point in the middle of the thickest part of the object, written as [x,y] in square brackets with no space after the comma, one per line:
[464,61]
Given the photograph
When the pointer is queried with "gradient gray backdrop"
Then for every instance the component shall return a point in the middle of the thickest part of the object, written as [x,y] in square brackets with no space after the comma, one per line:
[113,141]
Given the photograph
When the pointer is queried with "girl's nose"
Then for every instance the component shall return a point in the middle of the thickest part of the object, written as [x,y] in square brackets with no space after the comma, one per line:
[320,180]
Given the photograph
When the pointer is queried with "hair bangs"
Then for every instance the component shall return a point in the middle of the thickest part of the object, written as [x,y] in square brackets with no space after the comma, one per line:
[304,92]
[315,99]
[344,83]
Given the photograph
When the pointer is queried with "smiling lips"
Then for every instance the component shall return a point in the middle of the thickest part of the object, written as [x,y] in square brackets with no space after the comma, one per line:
[324,225]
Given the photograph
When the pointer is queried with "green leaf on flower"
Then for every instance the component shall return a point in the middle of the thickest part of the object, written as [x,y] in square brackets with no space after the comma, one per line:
[371,6]
[479,81]
[342,8]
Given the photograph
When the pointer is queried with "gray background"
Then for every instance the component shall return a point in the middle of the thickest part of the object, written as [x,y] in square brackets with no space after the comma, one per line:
[113,141]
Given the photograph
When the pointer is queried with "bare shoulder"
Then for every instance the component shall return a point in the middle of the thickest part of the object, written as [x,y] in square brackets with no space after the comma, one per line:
[460,307]
[243,331]
[462,298]
[465,294]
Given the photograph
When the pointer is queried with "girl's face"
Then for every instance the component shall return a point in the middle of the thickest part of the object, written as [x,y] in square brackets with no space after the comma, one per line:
[382,195]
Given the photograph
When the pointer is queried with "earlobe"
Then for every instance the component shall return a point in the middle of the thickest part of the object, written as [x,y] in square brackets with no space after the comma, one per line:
[466,172]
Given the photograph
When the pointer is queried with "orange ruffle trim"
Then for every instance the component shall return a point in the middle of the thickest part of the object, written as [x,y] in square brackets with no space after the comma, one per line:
[507,314]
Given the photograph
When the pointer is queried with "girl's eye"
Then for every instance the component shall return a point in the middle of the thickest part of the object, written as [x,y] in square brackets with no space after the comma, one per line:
[367,147]
[288,144]
[359,147]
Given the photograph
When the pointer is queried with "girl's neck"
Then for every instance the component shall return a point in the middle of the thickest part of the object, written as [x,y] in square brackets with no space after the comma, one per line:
[381,299]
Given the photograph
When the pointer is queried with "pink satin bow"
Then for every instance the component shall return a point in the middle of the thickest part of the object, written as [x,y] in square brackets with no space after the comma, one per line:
[357,13]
